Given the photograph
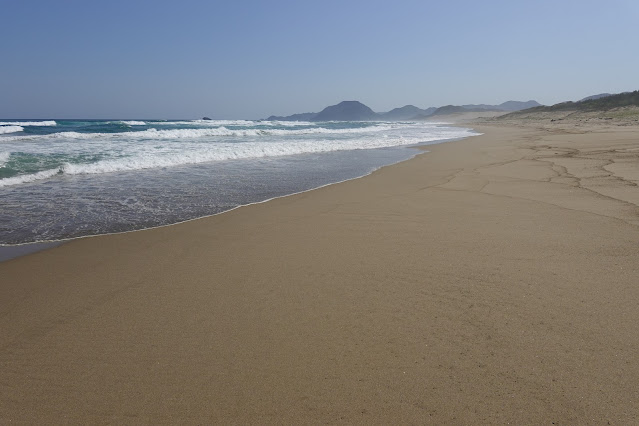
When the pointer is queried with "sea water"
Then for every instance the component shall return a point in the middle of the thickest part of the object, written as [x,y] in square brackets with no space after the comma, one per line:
[63,179]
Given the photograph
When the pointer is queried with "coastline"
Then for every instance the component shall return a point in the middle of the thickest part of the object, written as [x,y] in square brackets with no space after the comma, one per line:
[12,251]
[193,188]
[8,252]
[472,284]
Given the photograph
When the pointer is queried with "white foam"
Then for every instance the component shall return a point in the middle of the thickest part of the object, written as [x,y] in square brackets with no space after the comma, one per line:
[246,150]
[132,123]
[232,123]
[4,157]
[237,123]
[185,146]
[223,122]
[10,129]
[223,131]
[28,123]
[16,180]
[287,123]
[206,123]
[199,133]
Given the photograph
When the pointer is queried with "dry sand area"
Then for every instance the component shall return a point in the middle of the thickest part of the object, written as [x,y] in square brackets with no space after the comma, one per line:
[492,280]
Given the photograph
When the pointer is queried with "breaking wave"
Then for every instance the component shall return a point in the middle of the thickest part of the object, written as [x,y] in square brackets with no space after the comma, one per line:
[28,123]
[132,123]
[16,180]
[223,151]
[10,129]
[198,133]
[4,157]
[99,146]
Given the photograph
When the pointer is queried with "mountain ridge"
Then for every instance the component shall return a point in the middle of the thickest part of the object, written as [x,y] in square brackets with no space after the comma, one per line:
[357,111]
[407,112]
[346,111]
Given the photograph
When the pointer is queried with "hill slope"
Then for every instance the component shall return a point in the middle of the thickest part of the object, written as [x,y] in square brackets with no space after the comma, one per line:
[304,116]
[357,111]
[622,108]
[517,105]
[407,112]
[605,103]
[346,111]
[600,95]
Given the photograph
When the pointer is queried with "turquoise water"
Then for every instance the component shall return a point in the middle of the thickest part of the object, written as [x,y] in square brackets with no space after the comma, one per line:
[63,179]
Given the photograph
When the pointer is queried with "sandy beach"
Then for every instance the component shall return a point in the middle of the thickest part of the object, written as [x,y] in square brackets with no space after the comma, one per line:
[492,280]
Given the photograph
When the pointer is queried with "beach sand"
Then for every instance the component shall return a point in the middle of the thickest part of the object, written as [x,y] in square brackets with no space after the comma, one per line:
[491,280]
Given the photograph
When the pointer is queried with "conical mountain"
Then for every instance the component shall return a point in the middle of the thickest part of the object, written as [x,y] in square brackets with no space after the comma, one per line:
[346,111]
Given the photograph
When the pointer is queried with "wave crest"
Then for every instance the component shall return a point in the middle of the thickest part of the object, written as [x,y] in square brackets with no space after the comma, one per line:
[10,129]
[233,151]
[16,180]
[199,133]
[28,123]
[132,123]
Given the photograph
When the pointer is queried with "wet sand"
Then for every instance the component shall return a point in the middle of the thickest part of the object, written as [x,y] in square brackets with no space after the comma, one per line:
[491,280]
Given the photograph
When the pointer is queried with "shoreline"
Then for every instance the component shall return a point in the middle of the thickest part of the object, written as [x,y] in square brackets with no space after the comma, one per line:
[490,281]
[13,251]
[8,252]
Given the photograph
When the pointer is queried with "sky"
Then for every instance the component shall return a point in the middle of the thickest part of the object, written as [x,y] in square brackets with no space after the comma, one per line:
[251,59]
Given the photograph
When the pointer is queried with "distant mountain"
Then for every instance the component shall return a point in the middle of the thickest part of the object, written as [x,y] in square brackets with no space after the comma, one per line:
[480,107]
[451,109]
[517,105]
[305,116]
[456,109]
[346,111]
[407,112]
[505,106]
[343,111]
[357,111]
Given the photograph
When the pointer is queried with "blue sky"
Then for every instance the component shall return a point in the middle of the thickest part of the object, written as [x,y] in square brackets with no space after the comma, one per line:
[250,59]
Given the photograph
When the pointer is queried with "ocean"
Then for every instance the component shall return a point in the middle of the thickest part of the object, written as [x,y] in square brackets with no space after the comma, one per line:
[62,179]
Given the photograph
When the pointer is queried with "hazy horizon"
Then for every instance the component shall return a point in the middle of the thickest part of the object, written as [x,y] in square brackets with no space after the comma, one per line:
[250,60]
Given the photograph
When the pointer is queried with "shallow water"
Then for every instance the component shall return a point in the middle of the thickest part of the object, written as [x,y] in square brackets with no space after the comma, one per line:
[112,195]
